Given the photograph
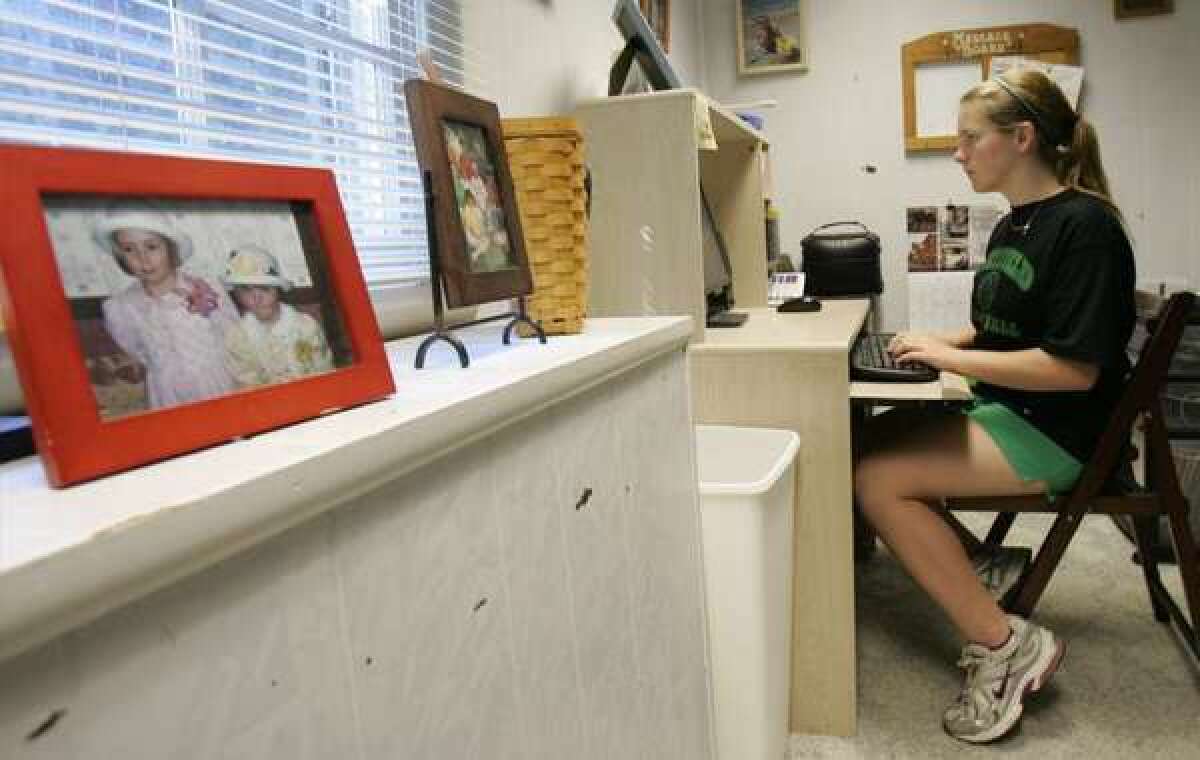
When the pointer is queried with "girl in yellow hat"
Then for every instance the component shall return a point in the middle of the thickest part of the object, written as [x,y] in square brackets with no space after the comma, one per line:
[273,341]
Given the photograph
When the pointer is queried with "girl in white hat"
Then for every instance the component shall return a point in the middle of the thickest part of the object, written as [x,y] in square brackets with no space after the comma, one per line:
[272,342]
[171,322]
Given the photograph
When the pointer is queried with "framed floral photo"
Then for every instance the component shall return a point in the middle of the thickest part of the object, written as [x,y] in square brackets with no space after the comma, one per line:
[476,233]
[770,36]
[159,305]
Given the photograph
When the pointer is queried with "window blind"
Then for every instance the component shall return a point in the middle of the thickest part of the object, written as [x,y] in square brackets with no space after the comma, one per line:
[300,82]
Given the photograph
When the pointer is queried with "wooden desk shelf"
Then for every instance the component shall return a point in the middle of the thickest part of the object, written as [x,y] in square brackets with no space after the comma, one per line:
[649,154]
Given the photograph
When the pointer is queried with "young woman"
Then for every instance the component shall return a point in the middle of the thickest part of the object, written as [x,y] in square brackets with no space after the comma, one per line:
[1051,312]
[170,321]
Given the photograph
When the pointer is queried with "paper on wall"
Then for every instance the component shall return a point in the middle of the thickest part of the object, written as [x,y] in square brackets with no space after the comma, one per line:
[941,85]
[983,220]
[946,244]
[705,137]
[948,238]
[939,300]
[1068,78]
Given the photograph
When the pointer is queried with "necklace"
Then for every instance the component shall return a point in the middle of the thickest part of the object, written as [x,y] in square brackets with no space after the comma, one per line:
[1023,228]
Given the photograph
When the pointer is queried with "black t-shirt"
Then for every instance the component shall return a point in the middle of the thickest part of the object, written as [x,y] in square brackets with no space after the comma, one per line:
[1063,284]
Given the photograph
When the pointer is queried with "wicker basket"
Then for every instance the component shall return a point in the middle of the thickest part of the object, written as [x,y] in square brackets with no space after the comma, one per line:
[545,156]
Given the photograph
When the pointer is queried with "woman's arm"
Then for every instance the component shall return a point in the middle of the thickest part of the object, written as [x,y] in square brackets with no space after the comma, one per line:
[963,338]
[958,339]
[1031,369]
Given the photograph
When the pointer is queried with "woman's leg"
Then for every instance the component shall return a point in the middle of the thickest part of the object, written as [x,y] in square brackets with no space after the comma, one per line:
[944,456]
[882,431]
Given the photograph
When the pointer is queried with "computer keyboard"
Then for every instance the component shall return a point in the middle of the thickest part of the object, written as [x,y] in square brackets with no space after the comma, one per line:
[870,361]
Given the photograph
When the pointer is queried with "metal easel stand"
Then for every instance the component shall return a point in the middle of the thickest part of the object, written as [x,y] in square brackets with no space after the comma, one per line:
[440,330]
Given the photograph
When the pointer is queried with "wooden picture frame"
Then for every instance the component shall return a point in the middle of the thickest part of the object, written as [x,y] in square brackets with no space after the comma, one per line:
[1126,9]
[963,57]
[118,273]
[658,15]
[478,240]
[770,36]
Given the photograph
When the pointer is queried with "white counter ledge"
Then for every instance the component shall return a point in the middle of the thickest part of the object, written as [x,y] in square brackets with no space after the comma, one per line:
[68,556]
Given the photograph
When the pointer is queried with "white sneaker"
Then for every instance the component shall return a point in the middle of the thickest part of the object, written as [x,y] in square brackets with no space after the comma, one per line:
[998,680]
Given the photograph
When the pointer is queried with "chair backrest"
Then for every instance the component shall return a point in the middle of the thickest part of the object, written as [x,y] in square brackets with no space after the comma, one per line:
[1141,392]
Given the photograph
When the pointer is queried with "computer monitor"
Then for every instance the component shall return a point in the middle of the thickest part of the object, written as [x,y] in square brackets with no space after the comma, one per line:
[640,43]
[718,273]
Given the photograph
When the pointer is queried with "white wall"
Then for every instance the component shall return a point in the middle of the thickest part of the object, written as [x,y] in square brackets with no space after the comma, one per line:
[538,57]
[845,113]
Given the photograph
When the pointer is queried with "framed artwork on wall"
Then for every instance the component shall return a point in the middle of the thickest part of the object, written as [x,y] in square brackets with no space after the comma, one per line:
[158,305]
[770,36]
[658,15]
[1124,9]
[476,233]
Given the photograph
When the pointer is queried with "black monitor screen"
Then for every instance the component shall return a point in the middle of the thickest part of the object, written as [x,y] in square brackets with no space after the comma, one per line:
[640,43]
[717,274]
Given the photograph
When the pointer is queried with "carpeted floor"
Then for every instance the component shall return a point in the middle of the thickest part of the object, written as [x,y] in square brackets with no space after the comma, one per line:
[1125,690]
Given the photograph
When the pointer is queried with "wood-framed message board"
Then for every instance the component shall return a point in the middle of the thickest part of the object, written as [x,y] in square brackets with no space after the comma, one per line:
[936,69]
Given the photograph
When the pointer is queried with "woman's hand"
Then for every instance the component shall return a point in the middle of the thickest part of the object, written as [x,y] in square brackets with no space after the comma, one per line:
[933,350]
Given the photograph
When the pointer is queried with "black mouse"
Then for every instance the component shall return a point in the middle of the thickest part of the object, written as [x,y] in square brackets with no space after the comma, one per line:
[803,303]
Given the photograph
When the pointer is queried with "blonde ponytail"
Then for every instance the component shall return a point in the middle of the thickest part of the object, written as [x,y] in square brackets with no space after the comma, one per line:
[1081,167]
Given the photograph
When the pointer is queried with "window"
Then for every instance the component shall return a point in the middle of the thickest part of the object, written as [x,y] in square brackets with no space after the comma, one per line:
[308,82]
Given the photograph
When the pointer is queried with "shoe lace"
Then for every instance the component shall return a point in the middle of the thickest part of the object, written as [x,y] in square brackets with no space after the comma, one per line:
[980,666]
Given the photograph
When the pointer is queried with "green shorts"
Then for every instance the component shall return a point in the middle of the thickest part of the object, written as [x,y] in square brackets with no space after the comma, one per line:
[1031,453]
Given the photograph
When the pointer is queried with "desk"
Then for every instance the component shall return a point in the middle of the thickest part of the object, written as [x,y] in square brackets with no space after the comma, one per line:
[791,371]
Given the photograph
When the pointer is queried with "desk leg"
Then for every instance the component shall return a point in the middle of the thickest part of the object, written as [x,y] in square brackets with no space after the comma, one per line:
[865,538]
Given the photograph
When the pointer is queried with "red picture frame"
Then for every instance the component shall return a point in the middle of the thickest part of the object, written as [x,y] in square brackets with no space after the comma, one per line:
[49,194]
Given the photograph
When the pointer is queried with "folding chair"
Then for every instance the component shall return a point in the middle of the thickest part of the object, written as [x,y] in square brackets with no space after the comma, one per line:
[1101,489]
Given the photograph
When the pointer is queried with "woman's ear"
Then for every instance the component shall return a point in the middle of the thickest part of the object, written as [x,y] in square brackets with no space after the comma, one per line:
[1026,137]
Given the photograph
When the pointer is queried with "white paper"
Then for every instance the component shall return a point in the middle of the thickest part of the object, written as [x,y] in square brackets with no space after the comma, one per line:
[938,88]
[983,221]
[939,300]
[1068,78]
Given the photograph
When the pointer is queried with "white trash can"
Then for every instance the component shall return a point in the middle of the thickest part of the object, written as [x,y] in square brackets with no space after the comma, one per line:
[746,501]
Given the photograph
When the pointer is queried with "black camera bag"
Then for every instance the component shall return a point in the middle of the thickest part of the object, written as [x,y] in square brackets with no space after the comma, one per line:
[842,263]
